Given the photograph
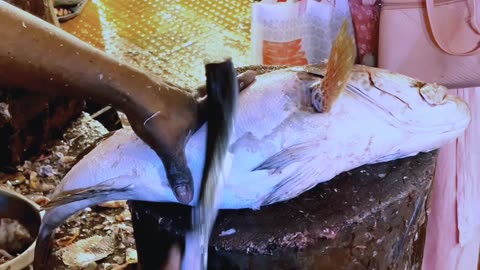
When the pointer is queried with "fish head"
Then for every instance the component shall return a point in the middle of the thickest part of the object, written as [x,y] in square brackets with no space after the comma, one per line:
[426,110]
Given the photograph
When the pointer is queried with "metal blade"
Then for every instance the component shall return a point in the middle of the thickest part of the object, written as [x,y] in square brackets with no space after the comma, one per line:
[222,90]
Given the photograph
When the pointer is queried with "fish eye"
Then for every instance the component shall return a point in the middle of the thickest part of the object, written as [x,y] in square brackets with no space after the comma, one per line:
[433,94]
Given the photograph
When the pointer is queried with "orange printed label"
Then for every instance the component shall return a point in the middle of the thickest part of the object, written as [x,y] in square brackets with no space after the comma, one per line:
[284,53]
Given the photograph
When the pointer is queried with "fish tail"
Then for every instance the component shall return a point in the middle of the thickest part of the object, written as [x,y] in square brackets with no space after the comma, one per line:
[43,247]
[81,194]
[339,66]
[59,209]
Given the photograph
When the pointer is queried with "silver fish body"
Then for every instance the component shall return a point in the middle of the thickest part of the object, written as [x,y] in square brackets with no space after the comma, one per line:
[282,147]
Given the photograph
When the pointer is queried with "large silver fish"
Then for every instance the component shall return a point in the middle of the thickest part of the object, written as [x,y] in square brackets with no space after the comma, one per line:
[283,146]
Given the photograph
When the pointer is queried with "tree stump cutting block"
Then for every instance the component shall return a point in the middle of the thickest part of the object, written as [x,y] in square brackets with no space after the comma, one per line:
[369,218]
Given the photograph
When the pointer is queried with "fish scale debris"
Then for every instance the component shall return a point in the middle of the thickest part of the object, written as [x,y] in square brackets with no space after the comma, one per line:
[86,251]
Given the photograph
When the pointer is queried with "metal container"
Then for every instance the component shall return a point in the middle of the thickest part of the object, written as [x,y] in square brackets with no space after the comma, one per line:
[25,211]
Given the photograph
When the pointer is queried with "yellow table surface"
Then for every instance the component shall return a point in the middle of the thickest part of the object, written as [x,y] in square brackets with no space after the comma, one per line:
[171,38]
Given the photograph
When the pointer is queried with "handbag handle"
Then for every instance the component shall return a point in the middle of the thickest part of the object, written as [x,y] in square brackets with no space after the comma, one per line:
[473,14]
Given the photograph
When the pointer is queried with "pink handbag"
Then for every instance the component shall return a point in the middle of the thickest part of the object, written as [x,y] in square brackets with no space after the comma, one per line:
[434,41]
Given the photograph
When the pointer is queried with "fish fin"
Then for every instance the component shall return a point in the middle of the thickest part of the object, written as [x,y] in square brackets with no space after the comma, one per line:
[306,156]
[339,66]
[81,194]
[295,153]
[58,210]
[304,178]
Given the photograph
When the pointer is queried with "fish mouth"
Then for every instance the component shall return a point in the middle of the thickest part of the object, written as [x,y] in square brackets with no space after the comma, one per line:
[456,110]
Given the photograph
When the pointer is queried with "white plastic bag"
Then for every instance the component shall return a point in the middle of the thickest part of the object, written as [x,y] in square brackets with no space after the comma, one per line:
[296,32]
